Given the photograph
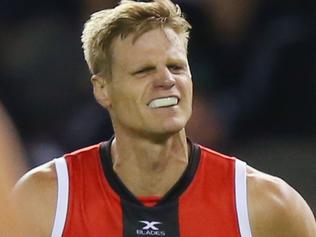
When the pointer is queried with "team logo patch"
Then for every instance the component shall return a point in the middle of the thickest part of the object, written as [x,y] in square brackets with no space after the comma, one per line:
[151,228]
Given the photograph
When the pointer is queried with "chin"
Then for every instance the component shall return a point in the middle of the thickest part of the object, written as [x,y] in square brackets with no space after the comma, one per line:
[171,127]
[162,136]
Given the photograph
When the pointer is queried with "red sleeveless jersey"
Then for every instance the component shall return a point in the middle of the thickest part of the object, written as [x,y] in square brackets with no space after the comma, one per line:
[209,200]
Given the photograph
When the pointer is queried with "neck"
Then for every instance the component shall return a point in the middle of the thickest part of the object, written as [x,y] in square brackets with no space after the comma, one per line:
[150,168]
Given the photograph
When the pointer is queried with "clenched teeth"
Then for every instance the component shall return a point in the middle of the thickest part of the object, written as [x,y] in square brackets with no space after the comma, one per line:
[163,102]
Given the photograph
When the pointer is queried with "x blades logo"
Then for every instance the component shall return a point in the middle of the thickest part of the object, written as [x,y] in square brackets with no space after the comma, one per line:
[150,229]
[150,225]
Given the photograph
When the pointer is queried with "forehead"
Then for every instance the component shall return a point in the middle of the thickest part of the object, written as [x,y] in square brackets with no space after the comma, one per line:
[152,44]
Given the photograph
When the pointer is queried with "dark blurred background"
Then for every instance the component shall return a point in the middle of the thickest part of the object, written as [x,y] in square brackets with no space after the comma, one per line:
[254,71]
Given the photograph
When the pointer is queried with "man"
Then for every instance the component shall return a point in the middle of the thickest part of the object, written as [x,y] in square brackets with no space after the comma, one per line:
[149,179]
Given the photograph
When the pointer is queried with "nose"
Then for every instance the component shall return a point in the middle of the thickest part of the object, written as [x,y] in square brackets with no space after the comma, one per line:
[164,79]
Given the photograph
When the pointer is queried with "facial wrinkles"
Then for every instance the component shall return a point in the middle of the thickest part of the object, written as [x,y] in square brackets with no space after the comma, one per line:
[170,43]
[145,51]
[146,47]
[121,83]
[141,54]
[175,53]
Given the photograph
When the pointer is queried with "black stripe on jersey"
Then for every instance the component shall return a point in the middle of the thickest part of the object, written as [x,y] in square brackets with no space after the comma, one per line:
[174,193]
[141,221]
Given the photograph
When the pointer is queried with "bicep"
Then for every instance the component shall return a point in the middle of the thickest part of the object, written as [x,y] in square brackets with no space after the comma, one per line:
[301,216]
[276,209]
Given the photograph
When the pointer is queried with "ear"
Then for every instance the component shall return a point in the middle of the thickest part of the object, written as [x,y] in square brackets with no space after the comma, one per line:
[101,90]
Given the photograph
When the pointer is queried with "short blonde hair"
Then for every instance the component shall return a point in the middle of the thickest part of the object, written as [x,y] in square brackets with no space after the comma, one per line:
[126,18]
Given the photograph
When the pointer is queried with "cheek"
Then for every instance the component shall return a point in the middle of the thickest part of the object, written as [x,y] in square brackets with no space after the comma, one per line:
[188,88]
[188,93]
[120,93]
[124,100]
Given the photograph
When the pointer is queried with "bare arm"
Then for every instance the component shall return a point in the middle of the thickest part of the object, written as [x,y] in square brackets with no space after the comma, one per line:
[35,196]
[276,209]
[11,151]
[11,167]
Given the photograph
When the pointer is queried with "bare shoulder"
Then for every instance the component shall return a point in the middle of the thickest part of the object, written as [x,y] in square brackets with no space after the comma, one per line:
[35,196]
[276,209]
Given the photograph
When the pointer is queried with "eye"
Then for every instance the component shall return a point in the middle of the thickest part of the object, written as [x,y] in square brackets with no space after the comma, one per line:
[176,68]
[143,71]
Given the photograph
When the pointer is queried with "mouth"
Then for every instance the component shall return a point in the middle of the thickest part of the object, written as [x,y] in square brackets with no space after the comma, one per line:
[163,102]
